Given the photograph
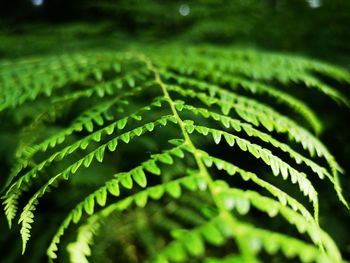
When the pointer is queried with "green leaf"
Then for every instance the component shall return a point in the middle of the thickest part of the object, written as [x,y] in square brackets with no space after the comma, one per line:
[225,122]
[112,144]
[89,204]
[152,167]
[141,199]
[178,153]
[96,136]
[84,144]
[89,126]
[76,166]
[189,183]
[163,121]
[150,126]
[165,158]
[242,144]
[229,139]
[157,103]
[176,142]
[225,108]
[176,252]
[194,244]
[179,105]
[212,235]
[156,192]
[242,205]
[101,196]
[138,131]
[125,137]
[216,136]
[189,128]
[202,130]
[88,159]
[126,181]
[253,150]
[136,117]
[121,123]
[77,213]
[173,189]
[109,129]
[139,177]
[100,153]
[113,187]
[275,166]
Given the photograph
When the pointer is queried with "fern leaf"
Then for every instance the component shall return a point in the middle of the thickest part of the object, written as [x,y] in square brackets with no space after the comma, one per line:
[238,126]
[80,249]
[253,87]
[98,154]
[191,98]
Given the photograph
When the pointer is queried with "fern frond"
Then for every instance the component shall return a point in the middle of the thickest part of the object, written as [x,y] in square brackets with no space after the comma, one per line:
[272,121]
[254,87]
[96,116]
[241,201]
[282,196]
[83,143]
[278,166]
[31,78]
[193,99]
[137,174]
[263,66]
[259,114]
[108,87]
[98,154]
[190,243]
[238,126]
[80,249]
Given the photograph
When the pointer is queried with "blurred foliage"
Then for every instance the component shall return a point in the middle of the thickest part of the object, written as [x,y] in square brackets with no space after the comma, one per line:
[280,25]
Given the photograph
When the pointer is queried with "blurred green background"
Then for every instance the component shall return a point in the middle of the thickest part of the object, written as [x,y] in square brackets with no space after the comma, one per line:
[314,28]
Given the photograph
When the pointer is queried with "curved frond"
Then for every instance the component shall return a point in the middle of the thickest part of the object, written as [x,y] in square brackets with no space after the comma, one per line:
[109,117]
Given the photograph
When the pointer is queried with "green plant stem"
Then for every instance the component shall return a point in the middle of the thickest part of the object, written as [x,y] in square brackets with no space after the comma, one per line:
[203,172]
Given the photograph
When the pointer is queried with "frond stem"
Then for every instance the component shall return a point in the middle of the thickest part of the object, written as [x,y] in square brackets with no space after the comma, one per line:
[203,172]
